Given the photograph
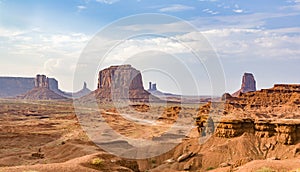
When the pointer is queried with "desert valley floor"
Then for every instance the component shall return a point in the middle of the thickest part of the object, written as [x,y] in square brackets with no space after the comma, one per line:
[46,136]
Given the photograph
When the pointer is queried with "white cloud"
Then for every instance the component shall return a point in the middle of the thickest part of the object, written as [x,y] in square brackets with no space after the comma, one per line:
[81,7]
[238,10]
[107,1]
[293,5]
[10,33]
[176,8]
[254,43]
[210,11]
[245,21]
[54,54]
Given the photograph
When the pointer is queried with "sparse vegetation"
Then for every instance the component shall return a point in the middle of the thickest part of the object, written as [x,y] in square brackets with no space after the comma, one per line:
[210,168]
[97,161]
[266,169]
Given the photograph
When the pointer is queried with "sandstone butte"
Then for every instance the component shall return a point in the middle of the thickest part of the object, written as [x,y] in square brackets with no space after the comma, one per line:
[120,83]
[248,84]
[41,90]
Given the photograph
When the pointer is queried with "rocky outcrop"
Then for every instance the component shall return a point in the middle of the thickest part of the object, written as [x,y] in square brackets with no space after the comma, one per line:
[284,131]
[152,86]
[120,83]
[281,101]
[248,84]
[41,91]
[41,81]
[268,113]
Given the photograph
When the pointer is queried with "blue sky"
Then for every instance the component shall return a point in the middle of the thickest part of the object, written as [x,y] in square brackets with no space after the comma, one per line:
[258,36]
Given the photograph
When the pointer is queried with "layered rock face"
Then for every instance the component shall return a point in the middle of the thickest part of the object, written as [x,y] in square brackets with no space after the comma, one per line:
[268,113]
[284,131]
[120,83]
[248,84]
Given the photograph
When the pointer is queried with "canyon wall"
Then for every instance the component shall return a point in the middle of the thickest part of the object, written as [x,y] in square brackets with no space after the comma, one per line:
[285,131]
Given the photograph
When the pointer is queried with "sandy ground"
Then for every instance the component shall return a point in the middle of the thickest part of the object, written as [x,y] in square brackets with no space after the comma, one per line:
[46,136]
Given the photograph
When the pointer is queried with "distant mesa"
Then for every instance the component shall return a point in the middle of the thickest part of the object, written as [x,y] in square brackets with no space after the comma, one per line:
[14,86]
[84,91]
[153,90]
[176,98]
[152,87]
[120,83]
[41,90]
[248,84]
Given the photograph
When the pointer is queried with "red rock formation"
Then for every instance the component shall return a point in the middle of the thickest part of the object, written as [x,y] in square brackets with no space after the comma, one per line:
[124,76]
[248,84]
[120,83]
[267,113]
[284,131]
[281,101]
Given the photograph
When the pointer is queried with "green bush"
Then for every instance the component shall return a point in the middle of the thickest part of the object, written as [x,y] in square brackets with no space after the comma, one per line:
[97,161]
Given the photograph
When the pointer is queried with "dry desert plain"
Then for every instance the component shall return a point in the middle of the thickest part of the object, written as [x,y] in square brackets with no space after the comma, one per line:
[47,136]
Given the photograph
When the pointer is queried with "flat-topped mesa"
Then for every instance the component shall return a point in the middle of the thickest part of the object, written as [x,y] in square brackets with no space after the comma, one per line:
[41,81]
[119,83]
[120,77]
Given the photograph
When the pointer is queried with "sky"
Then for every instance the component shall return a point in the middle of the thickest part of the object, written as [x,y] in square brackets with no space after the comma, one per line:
[53,37]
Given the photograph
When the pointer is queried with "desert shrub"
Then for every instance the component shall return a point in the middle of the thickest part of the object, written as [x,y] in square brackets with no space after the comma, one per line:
[265,169]
[210,168]
[97,161]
